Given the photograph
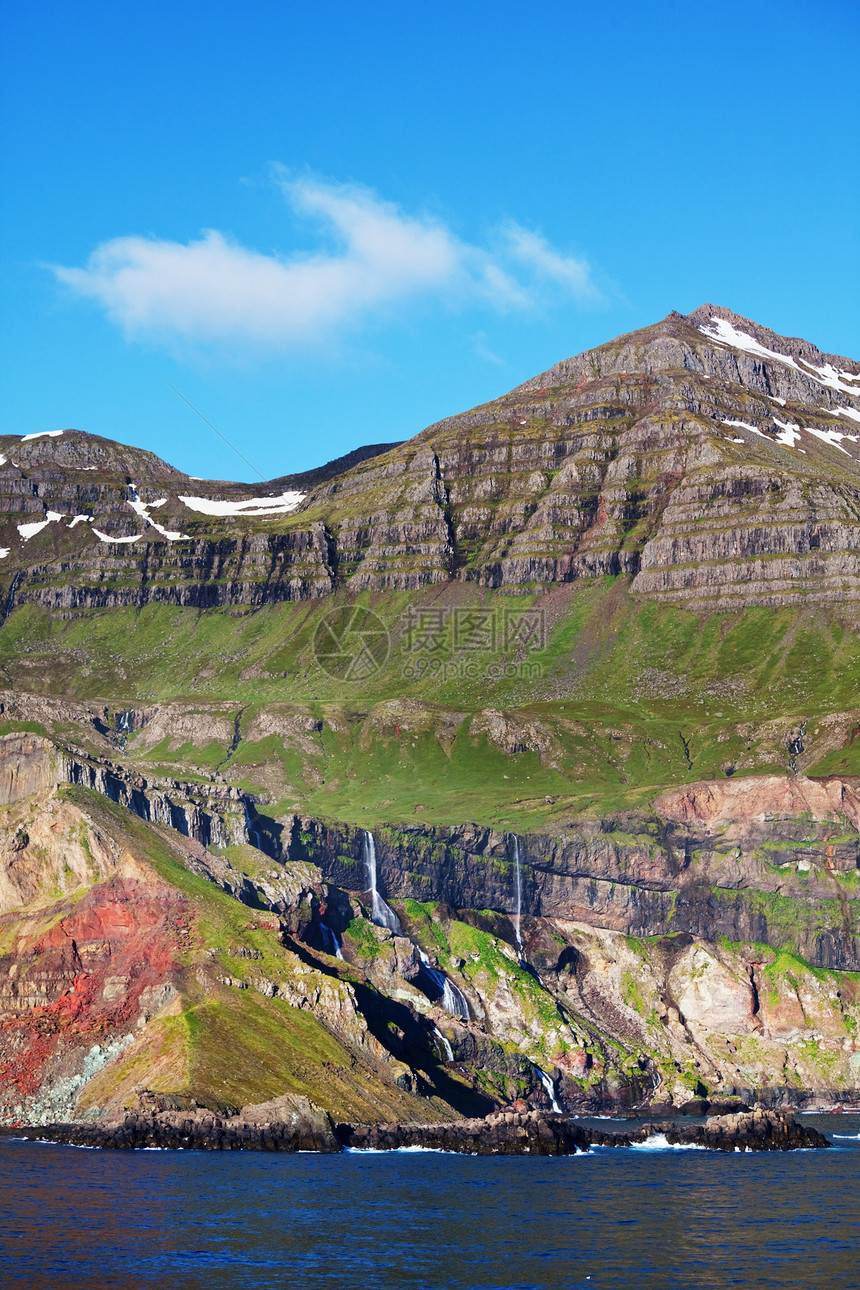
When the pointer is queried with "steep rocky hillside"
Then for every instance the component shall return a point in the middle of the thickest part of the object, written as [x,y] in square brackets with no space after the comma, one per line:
[712,460]
[139,967]
[570,681]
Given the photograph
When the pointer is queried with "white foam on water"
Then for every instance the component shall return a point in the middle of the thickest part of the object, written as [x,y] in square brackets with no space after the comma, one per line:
[403,1151]
[41,434]
[659,1142]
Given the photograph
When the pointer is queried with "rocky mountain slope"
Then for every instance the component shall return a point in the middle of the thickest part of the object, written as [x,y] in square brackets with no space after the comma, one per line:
[707,457]
[570,681]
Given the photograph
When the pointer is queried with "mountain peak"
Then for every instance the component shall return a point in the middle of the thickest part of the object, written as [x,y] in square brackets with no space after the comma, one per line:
[795,347]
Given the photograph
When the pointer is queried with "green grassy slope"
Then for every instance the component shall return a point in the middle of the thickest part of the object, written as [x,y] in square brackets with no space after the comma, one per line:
[620,699]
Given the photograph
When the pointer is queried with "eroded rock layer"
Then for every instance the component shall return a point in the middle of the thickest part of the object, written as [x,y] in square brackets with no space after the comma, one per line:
[707,457]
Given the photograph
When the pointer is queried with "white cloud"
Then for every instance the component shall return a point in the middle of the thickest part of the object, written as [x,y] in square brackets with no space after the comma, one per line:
[535,252]
[215,290]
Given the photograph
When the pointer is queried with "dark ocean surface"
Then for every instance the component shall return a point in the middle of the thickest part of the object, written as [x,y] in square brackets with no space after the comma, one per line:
[644,1217]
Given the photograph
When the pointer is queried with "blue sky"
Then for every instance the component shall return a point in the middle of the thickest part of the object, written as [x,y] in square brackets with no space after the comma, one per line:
[332,225]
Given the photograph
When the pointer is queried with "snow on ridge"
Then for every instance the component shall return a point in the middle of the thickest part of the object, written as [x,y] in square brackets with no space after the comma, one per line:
[848,412]
[832,437]
[105,537]
[41,434]
[790,432]
[745,425]
[143,509]
[726,334]
[262,505]
[28,531]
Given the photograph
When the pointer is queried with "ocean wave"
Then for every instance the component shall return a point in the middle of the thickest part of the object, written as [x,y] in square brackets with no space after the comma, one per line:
[659,1142]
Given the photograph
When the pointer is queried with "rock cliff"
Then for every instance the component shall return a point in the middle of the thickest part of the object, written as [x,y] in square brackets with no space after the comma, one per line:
[705,456]
[513,766]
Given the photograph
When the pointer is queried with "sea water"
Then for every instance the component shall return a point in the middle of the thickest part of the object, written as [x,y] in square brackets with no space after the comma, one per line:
[643,1219]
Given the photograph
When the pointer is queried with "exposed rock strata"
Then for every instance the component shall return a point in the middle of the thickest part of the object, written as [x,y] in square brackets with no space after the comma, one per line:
[709,474]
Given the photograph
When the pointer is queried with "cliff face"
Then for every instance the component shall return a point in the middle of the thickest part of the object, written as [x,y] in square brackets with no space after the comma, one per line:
[707,457]
[615,815]
[708,948]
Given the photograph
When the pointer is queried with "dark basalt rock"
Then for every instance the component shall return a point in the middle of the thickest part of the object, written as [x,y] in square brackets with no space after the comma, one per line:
[294,1124]
[287,1123]
[757,1130]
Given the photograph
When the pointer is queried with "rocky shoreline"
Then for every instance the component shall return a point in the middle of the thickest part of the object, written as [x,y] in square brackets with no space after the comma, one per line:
[294,1124]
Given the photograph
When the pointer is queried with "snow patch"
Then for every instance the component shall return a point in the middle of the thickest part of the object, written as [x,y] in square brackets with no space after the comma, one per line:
[849,412]
[2,460]
[252,506]
[833,378]
[143,509]
[41,434]
[745,425]
[80,519]
[104,537]
[726,334]
[832,437]
[789,432]
[30,530]
[774,399]
[4,551]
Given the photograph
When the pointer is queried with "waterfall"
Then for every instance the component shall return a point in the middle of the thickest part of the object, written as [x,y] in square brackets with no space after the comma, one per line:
[549,1086]
[380,913]
[122,726]
[518,888]
[253,835]
[446,1047]
[10,600]
[454,1001]
[450,997]
[331,944]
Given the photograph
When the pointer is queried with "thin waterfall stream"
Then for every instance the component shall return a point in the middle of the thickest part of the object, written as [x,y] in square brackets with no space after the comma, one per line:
[549,1086]
[446,1047]
[451,997]
[331,943]
[381,913]
[253,835]
[518,893]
